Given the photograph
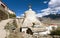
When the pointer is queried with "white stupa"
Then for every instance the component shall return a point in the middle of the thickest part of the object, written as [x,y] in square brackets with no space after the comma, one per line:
[30,21]
[30,18]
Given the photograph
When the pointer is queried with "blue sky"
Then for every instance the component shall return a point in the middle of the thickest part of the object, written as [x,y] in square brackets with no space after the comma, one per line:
[20,6]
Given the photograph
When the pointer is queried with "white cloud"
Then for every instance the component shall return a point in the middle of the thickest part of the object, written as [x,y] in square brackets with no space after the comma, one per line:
[44,12]
[22,15]
[45,2]
[54,3]
[53,8]
[47,9]
[17,16]
[39,15]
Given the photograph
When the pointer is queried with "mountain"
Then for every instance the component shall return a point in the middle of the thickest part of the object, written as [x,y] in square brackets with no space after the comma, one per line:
[53,16]
[50,19]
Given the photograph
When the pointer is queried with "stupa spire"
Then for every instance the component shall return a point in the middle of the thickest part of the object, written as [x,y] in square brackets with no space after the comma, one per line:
[30,7]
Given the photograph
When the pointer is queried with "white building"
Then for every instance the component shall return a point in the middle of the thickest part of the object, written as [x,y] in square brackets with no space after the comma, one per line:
[4,7]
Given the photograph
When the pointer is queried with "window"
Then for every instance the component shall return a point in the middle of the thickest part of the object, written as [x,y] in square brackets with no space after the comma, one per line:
[2,5]
[33,24]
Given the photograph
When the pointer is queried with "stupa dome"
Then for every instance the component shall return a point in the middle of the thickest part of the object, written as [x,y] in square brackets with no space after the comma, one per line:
[30,13]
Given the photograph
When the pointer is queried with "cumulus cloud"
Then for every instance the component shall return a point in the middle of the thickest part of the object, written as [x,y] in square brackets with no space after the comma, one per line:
[54,3]
[53,8]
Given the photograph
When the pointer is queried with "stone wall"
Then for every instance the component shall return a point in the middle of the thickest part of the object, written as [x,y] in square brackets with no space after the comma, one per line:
[3,15]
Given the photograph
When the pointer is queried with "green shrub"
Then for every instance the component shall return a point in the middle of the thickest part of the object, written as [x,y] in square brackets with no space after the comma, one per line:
[12,15]
[14,23]
[11,26]
[56,32]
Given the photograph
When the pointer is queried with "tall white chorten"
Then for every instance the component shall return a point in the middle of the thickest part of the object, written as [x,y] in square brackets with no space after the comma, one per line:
[30,18]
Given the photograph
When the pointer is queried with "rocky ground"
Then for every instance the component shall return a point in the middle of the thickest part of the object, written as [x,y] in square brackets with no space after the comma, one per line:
[15,32]
[2,25]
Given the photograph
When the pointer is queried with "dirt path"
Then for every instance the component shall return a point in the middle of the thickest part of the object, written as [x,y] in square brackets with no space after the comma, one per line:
[2,30]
